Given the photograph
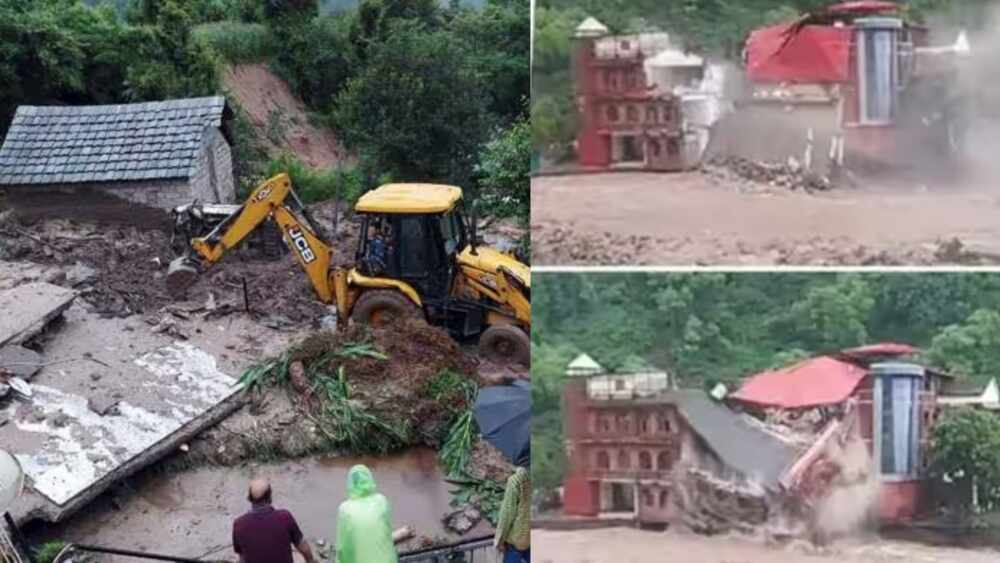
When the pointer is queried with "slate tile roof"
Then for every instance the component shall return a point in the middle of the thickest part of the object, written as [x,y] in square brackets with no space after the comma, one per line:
[128,142]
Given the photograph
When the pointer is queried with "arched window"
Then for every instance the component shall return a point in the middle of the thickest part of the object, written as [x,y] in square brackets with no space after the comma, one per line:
[651,116]
[664,497]
[612,113]
[645,460]
[605,424]
[633,113]
[643,425]
[664,423]
[603,460]
[623,460]
[663,461]
[665,114]
[648,498]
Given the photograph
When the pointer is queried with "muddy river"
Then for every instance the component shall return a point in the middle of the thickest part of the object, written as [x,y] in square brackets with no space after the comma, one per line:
[190,514]
[626,545]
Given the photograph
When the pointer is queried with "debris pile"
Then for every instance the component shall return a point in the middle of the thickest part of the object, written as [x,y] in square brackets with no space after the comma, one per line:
[564,244]
[712,505]
[749,175]
[119,270]
[360,391]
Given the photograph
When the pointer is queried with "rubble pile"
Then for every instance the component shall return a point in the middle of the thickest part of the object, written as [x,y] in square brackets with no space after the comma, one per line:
[749,175]
[712,505]
[563,244]
[119,270]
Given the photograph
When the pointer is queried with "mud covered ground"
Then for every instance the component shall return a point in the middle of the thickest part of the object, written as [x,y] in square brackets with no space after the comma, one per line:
[719,218]
[626,545]
[120,270]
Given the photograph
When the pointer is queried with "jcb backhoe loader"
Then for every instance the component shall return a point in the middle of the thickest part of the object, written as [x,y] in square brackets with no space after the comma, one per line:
[417,257]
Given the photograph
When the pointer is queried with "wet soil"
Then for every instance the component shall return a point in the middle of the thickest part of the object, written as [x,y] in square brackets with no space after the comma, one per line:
[190,513]
[626,545]
[281,118]
[130,265]
[696,218]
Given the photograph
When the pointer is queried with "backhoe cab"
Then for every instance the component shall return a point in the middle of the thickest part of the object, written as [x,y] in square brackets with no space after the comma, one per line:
[415,257]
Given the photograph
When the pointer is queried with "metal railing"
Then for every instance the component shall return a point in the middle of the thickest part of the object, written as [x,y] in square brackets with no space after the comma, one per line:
[478,550]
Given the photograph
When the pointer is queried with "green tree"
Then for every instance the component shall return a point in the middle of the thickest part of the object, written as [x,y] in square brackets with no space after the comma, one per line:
[971,348]
[317,60]
[497,39]
[504,169]
[374,21]
[966,443]
[165,62]
[416,109]
[834,316]
[59,50]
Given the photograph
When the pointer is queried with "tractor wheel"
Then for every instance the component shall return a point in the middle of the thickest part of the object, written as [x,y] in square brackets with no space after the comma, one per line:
[505,344]
[379,307]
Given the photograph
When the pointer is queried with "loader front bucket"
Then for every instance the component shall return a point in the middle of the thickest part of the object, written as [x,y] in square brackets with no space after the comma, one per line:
[181,274]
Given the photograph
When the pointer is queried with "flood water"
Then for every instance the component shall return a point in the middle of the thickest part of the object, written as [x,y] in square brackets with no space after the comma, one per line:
[190,514]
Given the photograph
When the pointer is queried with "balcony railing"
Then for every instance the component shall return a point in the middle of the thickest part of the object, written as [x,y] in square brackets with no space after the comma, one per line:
[630,474]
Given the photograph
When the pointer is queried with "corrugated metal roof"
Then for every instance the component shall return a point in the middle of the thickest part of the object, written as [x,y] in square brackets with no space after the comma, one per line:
[75,144]
[813,382]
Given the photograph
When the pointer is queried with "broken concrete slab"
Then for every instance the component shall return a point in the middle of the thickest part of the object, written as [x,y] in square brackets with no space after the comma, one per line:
[71,453]
[20,361]
[102,406]
[29,308]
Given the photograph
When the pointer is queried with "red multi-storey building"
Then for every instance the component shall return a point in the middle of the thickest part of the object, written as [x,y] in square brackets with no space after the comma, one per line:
[623,119]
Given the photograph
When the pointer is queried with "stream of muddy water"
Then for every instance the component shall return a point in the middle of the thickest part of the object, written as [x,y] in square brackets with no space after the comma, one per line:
[190,513]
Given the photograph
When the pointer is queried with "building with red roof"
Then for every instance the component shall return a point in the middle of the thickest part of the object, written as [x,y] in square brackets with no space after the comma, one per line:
[897,406]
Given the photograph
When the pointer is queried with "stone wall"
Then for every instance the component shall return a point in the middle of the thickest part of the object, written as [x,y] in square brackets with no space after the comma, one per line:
[143,204]
[212,170]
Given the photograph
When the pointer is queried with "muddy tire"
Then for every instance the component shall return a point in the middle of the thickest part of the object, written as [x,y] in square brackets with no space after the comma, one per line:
[505,344]
[379,307]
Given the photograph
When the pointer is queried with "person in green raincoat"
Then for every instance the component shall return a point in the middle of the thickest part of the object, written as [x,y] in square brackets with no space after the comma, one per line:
[364,522]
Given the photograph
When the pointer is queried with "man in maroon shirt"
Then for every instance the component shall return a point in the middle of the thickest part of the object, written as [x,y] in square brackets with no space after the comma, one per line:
[266,535]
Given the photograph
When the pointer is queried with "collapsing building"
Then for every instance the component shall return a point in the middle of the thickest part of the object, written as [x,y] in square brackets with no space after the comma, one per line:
[775,455]
[852,84]
[642,450]
[642,103]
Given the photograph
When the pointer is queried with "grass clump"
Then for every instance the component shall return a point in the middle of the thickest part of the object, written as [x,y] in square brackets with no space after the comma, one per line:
[339,416]
[236,42]
[48,551]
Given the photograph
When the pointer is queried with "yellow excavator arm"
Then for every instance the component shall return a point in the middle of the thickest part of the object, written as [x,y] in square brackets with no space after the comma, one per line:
[267,201]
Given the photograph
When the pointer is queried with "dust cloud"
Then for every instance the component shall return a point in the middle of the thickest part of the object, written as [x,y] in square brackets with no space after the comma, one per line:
[846,510]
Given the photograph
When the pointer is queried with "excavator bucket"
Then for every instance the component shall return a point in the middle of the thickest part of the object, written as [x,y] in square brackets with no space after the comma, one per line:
[181,274]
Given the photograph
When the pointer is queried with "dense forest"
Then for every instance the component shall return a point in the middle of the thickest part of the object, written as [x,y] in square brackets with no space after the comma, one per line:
[415,89]
[710,327]
[714,28]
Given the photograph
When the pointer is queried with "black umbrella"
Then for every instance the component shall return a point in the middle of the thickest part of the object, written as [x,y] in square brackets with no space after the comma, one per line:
[503,413]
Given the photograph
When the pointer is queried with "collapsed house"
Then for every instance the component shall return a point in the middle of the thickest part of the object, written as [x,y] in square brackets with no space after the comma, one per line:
[74,160]
[853,84]
[813,448]
[642,450]
[896,409]
[642,102]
